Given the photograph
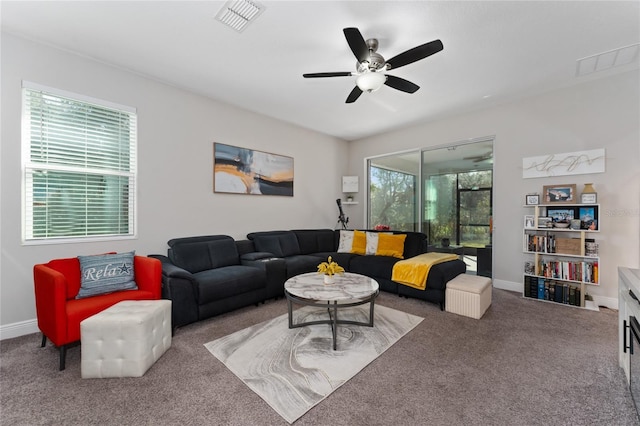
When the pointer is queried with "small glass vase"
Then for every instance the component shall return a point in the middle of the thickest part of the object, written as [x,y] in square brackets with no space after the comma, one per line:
[329,279]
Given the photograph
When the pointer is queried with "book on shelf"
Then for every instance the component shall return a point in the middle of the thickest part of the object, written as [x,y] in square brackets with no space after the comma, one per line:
[540,243]
[557,245]
[552,290]
[585,270]
[547,290]
[541,288]
[558,292]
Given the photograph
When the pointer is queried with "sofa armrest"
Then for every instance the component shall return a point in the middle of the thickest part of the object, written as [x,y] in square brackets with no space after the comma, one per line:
[170,270]
[257,255]
[276,270]
[181,287]
[51,295]
[148,274]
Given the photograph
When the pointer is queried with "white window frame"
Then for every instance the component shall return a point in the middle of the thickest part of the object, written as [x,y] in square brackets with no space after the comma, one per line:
[27,165]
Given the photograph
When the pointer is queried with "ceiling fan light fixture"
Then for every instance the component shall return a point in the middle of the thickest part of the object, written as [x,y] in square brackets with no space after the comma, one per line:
[371,81]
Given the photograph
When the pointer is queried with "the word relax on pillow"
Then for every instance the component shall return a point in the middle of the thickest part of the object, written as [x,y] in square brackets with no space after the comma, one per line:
[372,243]
[106,273]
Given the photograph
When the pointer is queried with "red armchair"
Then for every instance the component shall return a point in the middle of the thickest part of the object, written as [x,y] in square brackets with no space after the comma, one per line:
[59,313]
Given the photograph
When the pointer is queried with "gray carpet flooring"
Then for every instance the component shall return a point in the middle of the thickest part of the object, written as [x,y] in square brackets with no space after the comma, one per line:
[523,363]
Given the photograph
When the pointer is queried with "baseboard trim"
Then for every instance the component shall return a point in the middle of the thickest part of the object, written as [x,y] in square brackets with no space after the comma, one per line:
[508,285]
[607,302]
[18,329]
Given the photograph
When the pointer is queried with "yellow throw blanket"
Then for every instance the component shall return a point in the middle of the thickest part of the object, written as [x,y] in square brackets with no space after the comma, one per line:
[415,270]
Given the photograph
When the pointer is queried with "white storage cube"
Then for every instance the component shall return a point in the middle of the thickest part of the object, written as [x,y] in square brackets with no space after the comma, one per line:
[468,295]
[126,339]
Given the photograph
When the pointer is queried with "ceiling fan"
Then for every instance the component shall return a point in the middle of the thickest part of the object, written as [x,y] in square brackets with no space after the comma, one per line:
[371,65]
[480,158]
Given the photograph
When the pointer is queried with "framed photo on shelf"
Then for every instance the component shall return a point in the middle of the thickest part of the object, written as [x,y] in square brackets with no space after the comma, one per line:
[544,222]
[532,199]
[560,193]
[588,218]
[561,214]
[589,198]
[529,221]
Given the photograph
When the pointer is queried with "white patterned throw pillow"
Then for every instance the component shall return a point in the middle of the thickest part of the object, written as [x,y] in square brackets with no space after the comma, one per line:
[346,241]
[372,243]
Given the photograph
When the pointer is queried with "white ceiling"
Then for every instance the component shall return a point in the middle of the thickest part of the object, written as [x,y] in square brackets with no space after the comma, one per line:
[494,52]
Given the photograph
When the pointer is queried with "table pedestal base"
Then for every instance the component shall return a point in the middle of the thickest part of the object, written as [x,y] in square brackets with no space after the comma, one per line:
[332,309]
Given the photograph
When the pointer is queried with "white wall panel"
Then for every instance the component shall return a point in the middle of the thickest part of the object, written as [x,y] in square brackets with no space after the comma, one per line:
[176,131]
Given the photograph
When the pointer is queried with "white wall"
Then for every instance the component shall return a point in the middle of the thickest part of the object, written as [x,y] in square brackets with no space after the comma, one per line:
[601,114]
[176,131]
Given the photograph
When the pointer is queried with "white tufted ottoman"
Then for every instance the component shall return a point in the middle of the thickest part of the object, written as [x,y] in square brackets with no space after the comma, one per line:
[125,339]
[468,295]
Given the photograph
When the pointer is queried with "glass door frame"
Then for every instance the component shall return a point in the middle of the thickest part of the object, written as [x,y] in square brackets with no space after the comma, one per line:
[488,225]
[420,199]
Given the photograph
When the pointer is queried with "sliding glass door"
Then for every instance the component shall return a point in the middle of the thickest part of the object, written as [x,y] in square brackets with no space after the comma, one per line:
[393,197]
[444,192]
[474,209]
[458,197]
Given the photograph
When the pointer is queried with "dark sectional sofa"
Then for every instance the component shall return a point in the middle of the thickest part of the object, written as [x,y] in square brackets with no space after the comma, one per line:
[209,275]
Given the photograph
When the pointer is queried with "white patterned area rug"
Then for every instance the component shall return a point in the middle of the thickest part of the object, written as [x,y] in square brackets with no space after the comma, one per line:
[295,369]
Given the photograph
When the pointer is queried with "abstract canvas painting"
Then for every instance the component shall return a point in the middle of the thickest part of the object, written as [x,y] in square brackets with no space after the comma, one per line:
[247,171]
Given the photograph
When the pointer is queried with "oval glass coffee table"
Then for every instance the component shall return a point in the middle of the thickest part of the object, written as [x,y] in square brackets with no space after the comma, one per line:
[348,290]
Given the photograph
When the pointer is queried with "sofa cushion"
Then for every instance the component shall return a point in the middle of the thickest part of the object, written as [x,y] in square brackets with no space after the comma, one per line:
[197,254]
[373,266]
[372,242]
[346,242]
[352,242]
[228,281]
[414,244]
[194,257]
[315,240]
[342,259]
[106,273]
[223,253]
[359,242]
[391,245]
[302,264]
[280,243]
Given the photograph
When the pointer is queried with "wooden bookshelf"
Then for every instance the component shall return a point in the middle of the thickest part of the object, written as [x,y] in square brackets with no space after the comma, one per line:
[560,262]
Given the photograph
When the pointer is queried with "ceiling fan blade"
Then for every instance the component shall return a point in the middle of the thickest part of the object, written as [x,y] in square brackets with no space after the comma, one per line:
[401,84]
[355,94]
[327,74]
[415,54]
[356,43]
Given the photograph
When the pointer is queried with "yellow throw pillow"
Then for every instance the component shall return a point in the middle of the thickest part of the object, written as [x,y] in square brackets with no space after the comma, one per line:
[391,245]
[359,242]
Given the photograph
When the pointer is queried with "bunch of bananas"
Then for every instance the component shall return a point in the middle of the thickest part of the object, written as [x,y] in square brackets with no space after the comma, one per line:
[330,267]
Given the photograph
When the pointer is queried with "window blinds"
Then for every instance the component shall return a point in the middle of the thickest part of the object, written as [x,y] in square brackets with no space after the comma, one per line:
[79,166]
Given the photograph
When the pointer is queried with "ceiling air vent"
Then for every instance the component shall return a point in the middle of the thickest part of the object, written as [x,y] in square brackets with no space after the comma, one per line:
[606,60]
[237,14]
